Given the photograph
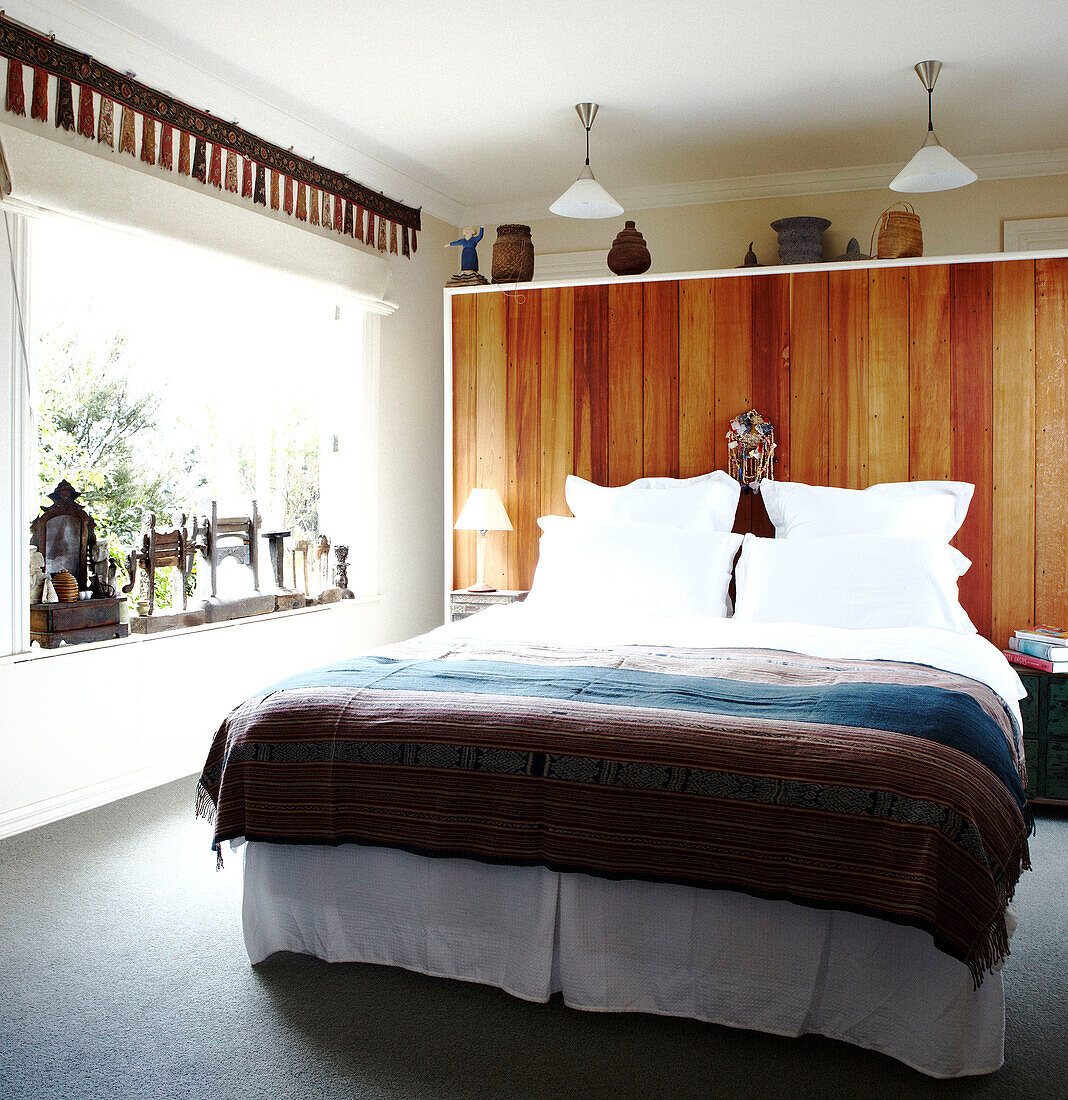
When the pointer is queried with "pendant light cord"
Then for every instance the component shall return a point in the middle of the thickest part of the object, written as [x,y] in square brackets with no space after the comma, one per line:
[930,96]
[587,146]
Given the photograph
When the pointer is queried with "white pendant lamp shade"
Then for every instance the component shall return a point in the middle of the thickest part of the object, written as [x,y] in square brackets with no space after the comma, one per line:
[586,198]
[933,168]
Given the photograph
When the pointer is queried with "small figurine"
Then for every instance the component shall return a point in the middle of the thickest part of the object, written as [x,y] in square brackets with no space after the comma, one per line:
[37,575]
[341,553]
[468,243]
[48,595]
[750,258]
[103,569]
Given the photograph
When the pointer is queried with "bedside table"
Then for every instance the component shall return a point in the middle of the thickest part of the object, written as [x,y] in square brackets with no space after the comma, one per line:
[463,604]
[1045,730]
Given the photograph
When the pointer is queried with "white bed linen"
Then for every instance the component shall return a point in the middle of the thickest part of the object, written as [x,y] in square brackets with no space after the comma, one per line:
[713,955]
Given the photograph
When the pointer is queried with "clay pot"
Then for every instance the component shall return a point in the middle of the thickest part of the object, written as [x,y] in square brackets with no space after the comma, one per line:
[513,255]
[629,254]
[66,586]
[800,239]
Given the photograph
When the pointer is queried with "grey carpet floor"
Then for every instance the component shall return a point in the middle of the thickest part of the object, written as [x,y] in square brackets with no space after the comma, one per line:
[123,974]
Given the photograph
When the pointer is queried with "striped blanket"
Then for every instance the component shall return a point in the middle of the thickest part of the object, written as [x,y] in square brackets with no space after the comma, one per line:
[880,787]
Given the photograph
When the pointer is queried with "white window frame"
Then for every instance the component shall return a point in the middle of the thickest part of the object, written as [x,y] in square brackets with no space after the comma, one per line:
[16,433]
[18,446]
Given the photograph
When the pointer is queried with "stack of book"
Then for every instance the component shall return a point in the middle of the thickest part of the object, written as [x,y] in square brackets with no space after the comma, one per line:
[1041,647]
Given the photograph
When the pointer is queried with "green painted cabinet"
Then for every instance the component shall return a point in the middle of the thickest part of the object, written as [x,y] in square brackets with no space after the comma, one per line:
[1045,729]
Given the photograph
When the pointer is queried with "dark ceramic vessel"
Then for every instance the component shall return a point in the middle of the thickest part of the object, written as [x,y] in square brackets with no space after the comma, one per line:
[629,254]
[800,239]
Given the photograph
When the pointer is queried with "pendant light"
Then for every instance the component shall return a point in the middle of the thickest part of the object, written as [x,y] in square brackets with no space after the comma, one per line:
[932,168]
[586,198]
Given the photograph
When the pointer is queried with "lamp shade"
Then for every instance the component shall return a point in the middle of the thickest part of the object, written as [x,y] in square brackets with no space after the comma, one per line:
[586,198]
[483,512]
[933,168]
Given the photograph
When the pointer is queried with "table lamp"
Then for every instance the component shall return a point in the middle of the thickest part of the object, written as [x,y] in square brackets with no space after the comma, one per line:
[483,512]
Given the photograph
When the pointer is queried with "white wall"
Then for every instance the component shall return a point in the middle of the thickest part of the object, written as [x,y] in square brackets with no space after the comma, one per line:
[88,725]
[702,238]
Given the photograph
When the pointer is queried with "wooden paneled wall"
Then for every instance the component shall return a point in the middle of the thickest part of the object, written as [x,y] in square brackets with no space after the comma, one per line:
[955,371]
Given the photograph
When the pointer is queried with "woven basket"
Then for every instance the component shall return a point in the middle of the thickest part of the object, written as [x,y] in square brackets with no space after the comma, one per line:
[899,233]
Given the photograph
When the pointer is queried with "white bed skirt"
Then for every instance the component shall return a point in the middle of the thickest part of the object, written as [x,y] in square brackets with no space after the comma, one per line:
[614,946]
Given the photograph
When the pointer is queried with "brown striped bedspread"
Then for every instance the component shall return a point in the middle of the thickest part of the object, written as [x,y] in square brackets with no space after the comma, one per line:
[880,787]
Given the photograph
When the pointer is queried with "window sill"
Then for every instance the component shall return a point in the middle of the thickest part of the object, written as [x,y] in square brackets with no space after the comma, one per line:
[162,636]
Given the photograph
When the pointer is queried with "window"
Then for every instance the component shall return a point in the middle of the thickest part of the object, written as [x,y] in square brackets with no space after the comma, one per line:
[168,377]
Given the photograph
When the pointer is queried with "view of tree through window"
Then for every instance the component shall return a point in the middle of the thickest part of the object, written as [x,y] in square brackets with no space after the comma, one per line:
[168,378]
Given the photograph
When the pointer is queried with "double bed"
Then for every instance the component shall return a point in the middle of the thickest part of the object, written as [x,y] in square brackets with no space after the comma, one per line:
[784,826]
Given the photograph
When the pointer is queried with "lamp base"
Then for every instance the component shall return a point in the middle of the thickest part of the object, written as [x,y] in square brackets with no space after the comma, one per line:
[483,587]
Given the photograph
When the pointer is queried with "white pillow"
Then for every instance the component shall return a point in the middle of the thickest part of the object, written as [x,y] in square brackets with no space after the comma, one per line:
[913,509]
[704,503]
[633,568]
[855,581]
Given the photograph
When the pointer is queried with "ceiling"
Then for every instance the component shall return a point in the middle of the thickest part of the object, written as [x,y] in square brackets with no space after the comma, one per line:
[465,106]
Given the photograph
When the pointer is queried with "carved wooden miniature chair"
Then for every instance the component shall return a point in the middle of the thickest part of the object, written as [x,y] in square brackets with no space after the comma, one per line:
[229,537]
[160,550]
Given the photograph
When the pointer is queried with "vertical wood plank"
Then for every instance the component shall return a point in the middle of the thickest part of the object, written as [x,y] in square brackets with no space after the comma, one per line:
[590,433]
[888,375]
[930,435]
[557,422]
[464,438]
[847,369]
[733,361]
[809,458]
[972,355]
[625,383]
[1013,553]
[1051,456]
[491,420]
[660,369]
[524,437]
[697,380]
[771,376]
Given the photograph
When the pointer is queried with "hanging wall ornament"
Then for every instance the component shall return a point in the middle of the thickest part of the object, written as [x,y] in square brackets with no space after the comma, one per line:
[750,450]
[166,147]
[183,154]
[231,171]
[148,141]
[39,104]
[200,161]
[105,131]
[259,192]
[64,105]
[16,91]
[215,171]
[86,121]
[126,131]
[406,248]
[302,179]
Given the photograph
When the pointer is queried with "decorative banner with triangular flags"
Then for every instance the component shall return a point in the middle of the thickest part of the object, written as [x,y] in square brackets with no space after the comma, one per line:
[297,186]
